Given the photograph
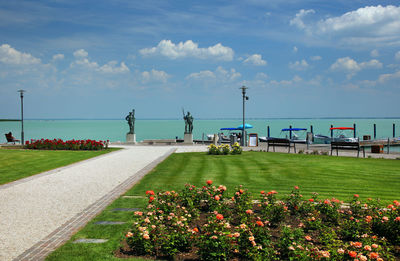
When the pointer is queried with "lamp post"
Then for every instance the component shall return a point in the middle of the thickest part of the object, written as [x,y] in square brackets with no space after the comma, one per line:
[243,139]
[22,115]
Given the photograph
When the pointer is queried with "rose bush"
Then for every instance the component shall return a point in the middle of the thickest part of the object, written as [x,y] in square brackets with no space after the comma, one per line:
[206,224]
[59,144]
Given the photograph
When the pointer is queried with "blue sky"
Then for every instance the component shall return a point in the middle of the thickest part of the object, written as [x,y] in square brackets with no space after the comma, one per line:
[100,59]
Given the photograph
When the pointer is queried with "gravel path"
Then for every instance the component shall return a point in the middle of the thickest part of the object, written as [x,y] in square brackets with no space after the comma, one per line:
[32,208]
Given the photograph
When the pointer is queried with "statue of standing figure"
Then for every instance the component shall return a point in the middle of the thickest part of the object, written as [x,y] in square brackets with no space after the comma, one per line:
[131,121]
[188,122]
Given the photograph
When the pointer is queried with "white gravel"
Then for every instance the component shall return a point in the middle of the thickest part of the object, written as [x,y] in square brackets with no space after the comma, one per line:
[31,210]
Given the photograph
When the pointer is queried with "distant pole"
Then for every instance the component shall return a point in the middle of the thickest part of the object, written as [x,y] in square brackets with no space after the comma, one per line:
[354,131]
[290,131]
[331,131]
[243,139]
[22,115]
[268,131]
[374,131]
[311,129]
[394,130]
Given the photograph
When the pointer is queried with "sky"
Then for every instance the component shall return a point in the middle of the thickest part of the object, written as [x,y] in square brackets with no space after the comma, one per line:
[101,59]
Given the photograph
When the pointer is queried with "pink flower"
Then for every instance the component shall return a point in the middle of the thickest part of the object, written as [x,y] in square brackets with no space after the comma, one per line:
[260,223]
[146,236]
[308,238]
[373,255]
[217,198]
[352,254]
[356,196]
[209,182]
[249,211]
[129,234]
[296,187]
[219,216]
[367,247]
[385,218]
[397,219]
[311,200]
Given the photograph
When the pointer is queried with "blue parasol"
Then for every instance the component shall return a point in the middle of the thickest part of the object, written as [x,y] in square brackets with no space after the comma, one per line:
[246,126]
[294,129]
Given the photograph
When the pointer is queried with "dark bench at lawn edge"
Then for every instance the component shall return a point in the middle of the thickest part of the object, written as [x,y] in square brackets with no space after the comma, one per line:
[341,145]
[280,143]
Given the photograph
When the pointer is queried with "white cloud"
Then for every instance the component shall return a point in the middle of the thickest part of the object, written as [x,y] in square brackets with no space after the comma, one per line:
[9,55]
[85,63]
[298,19]
[351,67]
[389,76]
[296,79]
[372,64]
[202,75]
[261,76]
[81,53]
[316,58]
[295,49]
[58,56]
[299,65]
[155,76]
[370,25]
[189,49]
[111,67]
[230,75]
[397,56]
[374,53]
[219,75]
[255,59]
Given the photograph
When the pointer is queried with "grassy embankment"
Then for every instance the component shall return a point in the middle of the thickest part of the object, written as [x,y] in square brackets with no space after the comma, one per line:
[338,177]
[17,163]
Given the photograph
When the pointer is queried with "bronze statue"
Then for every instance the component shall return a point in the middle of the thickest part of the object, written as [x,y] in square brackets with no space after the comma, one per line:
[188,122]
[131,121]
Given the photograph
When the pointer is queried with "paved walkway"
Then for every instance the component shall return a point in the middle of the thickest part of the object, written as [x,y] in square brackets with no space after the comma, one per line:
[39,213]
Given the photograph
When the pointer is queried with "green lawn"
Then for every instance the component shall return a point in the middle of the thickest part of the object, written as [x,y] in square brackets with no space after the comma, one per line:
[17,163]
[340,177]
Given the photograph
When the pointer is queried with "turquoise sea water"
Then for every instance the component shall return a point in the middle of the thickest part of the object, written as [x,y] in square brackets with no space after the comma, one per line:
[115,130]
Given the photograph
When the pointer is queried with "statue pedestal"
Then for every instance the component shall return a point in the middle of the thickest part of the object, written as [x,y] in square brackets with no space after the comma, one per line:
[188,138]
[130,138]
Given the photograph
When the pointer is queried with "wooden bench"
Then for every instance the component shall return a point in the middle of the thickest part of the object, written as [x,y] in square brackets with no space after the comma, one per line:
[341,145]
[280,143]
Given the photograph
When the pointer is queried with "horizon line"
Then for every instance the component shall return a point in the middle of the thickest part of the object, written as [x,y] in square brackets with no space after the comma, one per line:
[219,118]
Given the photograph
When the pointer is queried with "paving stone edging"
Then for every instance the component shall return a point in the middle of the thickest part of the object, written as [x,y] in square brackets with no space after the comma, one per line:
[62,234]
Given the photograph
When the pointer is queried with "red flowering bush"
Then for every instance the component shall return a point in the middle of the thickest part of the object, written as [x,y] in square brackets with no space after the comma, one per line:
[205,224]
[59,144]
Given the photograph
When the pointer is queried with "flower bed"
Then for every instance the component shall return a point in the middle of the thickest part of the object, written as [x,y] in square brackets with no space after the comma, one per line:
[59,144]
[224,149]
[206,224]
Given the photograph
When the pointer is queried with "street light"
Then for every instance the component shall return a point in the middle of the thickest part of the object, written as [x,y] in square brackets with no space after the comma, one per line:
[22,115]
[243,139]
